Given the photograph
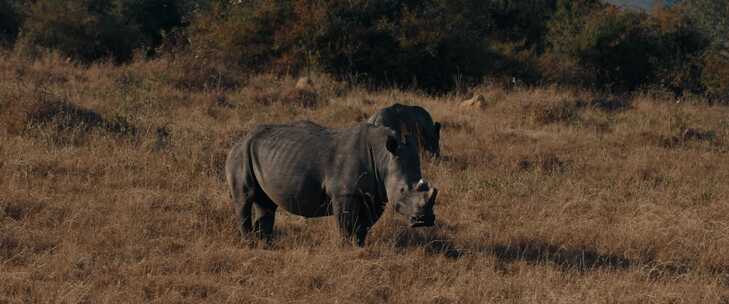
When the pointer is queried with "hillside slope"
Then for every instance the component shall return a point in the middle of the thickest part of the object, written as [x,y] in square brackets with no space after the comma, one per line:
[112,192]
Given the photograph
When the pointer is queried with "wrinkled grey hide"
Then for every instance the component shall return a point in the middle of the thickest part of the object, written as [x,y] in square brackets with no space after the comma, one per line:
[313,171]
[412,120]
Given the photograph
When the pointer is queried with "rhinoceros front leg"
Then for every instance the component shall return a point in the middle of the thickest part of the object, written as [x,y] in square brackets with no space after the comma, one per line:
[352,222]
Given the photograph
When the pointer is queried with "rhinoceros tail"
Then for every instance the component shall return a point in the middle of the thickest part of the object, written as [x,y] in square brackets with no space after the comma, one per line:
[241,181]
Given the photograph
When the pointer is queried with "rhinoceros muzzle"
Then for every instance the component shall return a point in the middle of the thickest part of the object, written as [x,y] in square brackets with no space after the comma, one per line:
[422,221]
[427,217]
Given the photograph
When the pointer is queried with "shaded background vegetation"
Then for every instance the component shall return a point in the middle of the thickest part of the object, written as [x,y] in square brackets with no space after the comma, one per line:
[435,45]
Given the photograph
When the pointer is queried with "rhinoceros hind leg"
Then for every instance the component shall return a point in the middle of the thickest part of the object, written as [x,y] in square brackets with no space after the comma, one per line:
[263,220]
[361,235]
[243,198]
[244,217]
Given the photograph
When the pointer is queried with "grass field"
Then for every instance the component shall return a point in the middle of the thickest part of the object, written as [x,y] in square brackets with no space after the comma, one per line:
[111,190]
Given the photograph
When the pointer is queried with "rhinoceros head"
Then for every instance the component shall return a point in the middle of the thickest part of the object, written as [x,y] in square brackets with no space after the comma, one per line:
[411,195]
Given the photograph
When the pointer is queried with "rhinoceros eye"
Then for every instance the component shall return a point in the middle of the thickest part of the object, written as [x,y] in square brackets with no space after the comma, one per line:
[402,190]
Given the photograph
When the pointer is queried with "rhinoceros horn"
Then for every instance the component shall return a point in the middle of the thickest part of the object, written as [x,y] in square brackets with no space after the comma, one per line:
[422,185]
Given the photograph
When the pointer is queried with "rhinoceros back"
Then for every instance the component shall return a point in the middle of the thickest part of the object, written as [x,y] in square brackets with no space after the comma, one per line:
[290,163]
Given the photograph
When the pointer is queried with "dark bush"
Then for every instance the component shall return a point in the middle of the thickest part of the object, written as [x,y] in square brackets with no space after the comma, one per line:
[711,17]
[10,21]
[611,43]
[83,29]
[560,63]
[432,44]
[155,18]
[715,74]
[618,48]
[517,39]
[93,29]
[555,111]
[427,43]
[567,22]
[62,115]
[624,50]
[524,21]
[611,104]
[679,48]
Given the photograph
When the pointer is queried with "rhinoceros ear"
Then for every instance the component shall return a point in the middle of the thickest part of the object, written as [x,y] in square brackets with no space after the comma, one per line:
[391,145]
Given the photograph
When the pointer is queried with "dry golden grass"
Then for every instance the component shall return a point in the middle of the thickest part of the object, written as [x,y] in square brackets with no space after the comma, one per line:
[547,196]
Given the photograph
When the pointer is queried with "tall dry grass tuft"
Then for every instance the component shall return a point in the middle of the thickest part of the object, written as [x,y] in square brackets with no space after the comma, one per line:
[547,195]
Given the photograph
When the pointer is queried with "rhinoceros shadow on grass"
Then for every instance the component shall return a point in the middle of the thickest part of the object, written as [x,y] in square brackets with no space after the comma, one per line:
[434,241]
[536,252]
[566,258]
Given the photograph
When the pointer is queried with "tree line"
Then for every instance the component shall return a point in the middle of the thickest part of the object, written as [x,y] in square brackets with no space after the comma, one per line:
[435,45]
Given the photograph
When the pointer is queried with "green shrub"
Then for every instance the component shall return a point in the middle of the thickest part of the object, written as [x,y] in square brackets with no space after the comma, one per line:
[561,63]
[624,50]
[715,74]
[712,19]
[680,45]
[567,22]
